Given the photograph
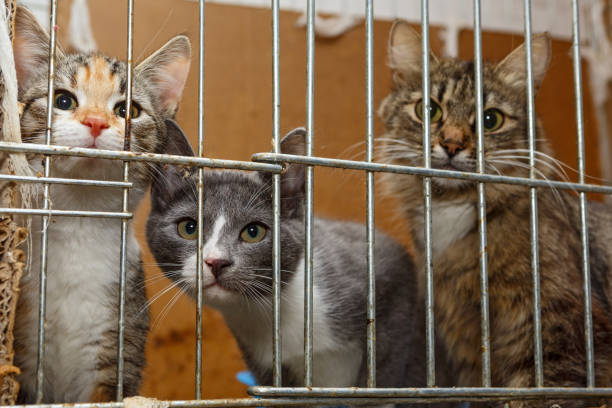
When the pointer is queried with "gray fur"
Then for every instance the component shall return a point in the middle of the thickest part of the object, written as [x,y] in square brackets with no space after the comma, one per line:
[339,268]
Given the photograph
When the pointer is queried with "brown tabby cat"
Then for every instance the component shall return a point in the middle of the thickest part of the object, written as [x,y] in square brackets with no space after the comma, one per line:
[83,253]
[455,225]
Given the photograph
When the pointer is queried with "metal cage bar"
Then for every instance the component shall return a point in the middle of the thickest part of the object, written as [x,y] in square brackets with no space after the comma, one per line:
[12,147]
[427,213]
[370,232]
[125,200]
[40,365]
[533,196]
[276,209]
[200,238]
[421,171]
[308,220]
[482,206]
[584,229]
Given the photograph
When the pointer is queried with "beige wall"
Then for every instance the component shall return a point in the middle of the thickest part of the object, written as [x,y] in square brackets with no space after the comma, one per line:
[239,122]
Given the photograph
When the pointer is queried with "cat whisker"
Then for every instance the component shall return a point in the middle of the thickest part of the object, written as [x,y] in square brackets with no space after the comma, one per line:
[538,172]
[554,160]
[558,171]
[162,292]
[162,315]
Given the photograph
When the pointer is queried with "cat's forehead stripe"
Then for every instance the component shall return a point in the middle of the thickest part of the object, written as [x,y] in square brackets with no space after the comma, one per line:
[97,80]
[211,249]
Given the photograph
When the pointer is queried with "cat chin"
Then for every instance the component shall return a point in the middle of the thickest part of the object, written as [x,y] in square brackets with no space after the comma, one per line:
[450,184]
[217,296]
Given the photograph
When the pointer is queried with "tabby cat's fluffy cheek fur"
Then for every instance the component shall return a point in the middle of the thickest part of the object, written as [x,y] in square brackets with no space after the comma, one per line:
[456,262]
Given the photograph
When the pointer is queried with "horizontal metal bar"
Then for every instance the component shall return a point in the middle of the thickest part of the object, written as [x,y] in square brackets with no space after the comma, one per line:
[257,402]
[57,180]
[137,157]
[409,393]
[420,171]
[66,213]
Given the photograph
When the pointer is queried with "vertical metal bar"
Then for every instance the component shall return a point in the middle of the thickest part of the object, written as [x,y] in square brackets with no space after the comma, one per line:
[370,232]
[276,264]
[429,295]
[308,267]
[200,241]
[42,295]
[482,207]
[535,259]
[584,230]
[125,204]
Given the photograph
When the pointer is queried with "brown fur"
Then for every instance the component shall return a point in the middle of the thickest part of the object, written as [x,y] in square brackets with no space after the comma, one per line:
[457,265]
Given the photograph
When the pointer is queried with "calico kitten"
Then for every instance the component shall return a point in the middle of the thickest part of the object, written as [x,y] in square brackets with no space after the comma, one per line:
[455,224]
[83,253]
[238,275]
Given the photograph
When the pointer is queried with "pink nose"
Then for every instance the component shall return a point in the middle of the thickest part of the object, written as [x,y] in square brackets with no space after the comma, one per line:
[96,123]
[217,265]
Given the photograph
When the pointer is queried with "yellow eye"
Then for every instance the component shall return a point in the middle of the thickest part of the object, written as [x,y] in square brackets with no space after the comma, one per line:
[64,100]
[493,119]
[253,233]
[120,110]
[435,111]
[188,229]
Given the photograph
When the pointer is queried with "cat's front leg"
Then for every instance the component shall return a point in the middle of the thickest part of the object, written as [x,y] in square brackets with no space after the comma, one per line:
[136,326]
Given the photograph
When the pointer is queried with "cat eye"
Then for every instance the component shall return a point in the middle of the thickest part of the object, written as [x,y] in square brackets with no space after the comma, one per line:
[64,100]
[188,229]
[253,232]
[493,119]
[120,110]
[435,111]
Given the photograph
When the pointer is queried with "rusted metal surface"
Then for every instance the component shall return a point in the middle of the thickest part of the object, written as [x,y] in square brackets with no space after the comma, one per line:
[136,156]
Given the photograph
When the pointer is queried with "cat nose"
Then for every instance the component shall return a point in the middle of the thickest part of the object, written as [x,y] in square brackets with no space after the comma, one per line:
[217,265]
[453,140]
[96,123]
[452,147]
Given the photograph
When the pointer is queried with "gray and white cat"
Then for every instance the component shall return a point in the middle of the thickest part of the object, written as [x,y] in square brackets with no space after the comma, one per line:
[238,274]
[83,253]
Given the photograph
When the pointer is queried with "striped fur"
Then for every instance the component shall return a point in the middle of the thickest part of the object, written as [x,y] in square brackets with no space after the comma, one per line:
[456,260]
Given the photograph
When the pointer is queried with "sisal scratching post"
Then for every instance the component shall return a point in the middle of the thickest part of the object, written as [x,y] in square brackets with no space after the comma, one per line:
[12,235]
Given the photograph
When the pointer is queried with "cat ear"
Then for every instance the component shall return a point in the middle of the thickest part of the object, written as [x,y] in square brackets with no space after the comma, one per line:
[168,179]
[166,70]
[292,181]
[405,49]
[177,144]
[30,47]
[512,68]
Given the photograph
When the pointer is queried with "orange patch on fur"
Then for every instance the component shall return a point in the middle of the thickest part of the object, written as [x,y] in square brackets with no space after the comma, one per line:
[96,81]
[102,394]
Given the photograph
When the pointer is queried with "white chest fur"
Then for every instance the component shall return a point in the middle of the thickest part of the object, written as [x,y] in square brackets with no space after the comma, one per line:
[450,222]
[82,272]
[335,363]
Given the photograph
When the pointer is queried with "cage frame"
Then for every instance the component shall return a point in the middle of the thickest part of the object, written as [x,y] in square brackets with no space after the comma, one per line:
[277,395]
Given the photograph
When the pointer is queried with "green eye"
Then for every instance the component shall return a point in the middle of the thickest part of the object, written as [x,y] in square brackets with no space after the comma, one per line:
[188,229]
[253,233]
[435,111]
[493,119]
[120,110]
[64,100]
